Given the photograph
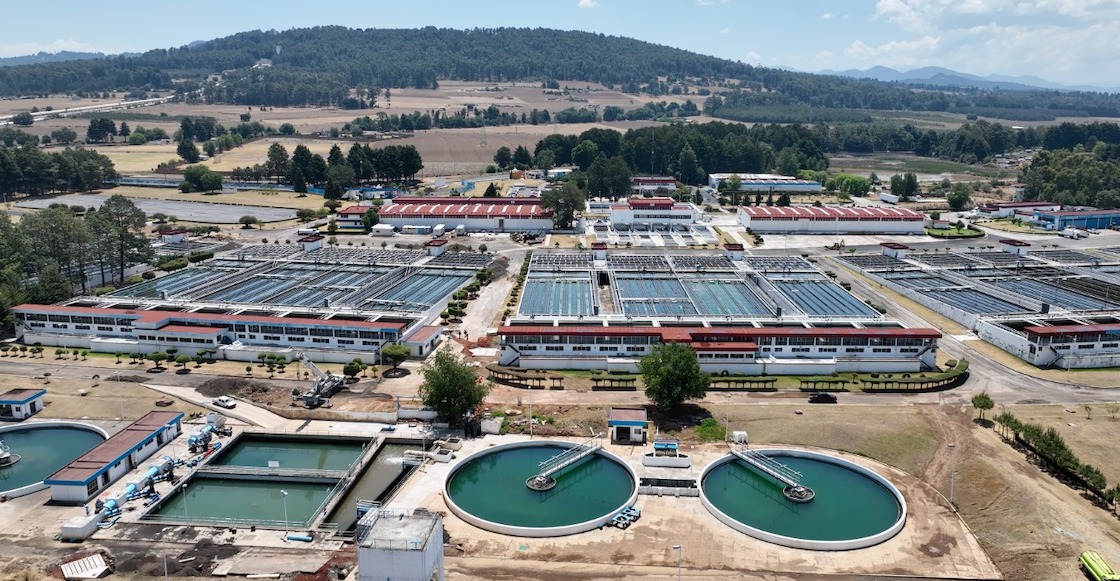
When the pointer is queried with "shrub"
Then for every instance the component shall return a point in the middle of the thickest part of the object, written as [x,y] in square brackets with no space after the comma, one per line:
[710,430]
[147,275]
[176,264]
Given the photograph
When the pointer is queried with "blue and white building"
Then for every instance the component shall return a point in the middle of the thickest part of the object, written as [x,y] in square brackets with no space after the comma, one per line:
[764,182]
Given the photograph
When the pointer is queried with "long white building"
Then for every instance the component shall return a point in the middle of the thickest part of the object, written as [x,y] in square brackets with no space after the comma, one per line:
[831,220]
[474,214]
[755,350]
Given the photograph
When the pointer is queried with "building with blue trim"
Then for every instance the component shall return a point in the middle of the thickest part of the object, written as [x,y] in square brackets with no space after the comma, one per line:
[20,404]
[1060,220]
[627,425]
[765,182]
[96,470]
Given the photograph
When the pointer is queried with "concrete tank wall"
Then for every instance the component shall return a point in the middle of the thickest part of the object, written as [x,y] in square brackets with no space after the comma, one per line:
[805,543]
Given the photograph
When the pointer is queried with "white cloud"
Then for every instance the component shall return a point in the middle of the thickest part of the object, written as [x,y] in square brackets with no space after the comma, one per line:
[710,2]
[1065,40]
[893,53]
[752,57]
[725,30]
[588,4]
[826,16]
[821,60]
[26,48]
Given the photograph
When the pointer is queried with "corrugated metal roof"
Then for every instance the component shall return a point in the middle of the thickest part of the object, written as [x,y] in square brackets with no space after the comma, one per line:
[718,334]
[159,319]
[834,212]
[462,210]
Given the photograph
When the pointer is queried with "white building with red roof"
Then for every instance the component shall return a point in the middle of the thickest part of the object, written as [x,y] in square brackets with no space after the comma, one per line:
[654,213]
[474,214]
[351,218]
[236,336]
[776,350]
[831,220]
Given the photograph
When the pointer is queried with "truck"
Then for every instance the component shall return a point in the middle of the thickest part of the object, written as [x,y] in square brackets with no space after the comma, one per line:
[1096,568]
[461,230]
[1074,233]
[438,230]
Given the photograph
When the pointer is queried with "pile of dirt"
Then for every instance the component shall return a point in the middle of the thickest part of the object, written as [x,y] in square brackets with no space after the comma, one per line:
[230,386]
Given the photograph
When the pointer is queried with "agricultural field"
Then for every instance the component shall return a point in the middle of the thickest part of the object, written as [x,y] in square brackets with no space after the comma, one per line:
[138,159]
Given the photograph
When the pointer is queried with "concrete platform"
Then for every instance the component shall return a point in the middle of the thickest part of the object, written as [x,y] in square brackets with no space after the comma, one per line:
[935,543]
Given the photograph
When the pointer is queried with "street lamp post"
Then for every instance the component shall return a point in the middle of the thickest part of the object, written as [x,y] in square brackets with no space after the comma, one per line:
[952,471]
[284,495]
[680,551]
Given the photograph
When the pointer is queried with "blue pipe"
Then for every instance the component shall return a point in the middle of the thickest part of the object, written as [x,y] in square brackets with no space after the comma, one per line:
[299,537]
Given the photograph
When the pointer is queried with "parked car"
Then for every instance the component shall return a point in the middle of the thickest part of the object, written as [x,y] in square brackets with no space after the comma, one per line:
[225,402]
[822,397]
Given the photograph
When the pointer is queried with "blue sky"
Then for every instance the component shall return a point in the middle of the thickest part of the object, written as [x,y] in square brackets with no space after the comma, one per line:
[1069,41]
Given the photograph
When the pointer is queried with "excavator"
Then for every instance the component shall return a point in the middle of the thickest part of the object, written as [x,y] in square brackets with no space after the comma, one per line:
[325,385]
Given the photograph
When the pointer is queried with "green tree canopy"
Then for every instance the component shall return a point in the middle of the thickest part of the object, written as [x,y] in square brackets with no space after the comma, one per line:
[983,402]
[564,203]
[672,375]
[503,157]
[188,151]
[395,354]
[450,386]
[370,218]
[584,153]
[959,196]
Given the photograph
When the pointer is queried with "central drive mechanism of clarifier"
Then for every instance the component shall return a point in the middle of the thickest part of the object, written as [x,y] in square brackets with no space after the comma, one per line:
[541,483]
[799,493]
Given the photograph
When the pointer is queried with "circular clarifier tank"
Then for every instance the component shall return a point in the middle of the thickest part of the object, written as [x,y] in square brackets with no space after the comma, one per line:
[488,489]
[852,508]
[40,449]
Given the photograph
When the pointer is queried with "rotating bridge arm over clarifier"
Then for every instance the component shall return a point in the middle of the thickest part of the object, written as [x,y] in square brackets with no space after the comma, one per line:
[794,490]
[544,480]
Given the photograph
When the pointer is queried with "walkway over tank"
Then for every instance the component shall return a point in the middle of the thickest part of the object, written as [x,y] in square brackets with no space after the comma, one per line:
[544,480]
[794,490]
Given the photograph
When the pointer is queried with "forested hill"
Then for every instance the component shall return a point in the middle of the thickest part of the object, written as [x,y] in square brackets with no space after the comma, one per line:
[320,66]
[384,58]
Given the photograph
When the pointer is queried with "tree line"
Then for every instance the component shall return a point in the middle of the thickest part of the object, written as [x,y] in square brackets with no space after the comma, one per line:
[690,152]
[32,171]
[362,165]
[53,251]
[310,69]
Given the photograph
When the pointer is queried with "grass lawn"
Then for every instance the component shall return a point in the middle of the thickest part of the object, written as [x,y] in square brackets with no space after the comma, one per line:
[955,233]
[266,198]
[1009,226]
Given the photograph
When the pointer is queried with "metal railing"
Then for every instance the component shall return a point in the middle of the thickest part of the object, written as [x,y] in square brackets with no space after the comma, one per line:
[570,456]
[768,465]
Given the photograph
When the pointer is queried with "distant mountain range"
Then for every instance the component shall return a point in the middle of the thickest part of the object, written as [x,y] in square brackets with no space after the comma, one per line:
[50,57]
[942,77]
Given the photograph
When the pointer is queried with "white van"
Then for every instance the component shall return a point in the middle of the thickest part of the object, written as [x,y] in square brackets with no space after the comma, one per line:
[307,231]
